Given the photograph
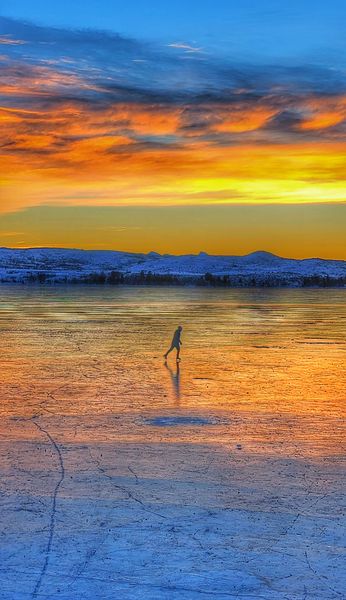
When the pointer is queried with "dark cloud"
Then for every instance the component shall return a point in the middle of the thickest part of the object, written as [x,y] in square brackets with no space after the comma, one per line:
[65,39]
[102,54]
[94,72]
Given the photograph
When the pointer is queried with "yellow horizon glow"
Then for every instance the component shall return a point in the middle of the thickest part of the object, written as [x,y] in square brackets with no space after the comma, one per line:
[201,174]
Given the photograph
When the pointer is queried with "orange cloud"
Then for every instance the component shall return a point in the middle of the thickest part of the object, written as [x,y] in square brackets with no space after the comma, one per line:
[9,116]
[7,40]
[324,113]
[239,119]
[151,121]
[39,81]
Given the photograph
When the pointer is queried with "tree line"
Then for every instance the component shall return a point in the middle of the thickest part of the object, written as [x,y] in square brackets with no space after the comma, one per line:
[206,280]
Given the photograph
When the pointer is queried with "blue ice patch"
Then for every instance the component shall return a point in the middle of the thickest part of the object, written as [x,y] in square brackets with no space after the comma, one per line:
[174,421]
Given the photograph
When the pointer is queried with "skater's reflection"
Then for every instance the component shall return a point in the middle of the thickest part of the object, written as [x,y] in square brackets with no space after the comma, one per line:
[175,377]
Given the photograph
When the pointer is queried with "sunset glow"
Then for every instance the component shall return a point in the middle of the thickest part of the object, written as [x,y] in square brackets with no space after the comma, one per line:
[103,128]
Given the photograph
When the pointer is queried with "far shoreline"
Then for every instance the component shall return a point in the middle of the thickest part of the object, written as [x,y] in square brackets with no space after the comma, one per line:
[180,285]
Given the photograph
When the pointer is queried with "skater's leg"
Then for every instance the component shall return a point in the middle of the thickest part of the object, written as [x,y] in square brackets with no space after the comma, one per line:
[178,353]
[168,351]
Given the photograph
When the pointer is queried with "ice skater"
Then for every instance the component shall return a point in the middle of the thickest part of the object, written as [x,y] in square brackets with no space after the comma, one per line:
[176,343]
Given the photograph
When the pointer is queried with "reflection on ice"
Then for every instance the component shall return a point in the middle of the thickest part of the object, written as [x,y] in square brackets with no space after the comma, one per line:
[175,377]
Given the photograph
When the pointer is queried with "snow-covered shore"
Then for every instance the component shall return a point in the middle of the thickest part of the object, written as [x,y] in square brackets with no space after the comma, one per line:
[65,265]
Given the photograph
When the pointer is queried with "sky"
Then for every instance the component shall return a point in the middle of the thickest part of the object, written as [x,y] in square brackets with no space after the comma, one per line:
[175,127]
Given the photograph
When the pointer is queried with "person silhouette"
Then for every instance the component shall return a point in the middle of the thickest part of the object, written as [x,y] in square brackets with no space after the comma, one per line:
[176,343]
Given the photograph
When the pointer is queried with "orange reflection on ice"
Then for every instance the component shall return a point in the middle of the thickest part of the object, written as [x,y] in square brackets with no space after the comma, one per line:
[265,367]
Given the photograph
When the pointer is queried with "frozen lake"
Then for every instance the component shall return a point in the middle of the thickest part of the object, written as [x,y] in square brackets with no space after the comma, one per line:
[125,478]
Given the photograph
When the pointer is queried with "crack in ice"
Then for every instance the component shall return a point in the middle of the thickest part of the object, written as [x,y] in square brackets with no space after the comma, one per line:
[130,495]
[53,511]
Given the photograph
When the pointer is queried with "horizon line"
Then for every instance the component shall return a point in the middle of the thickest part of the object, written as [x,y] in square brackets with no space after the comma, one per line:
[162,255]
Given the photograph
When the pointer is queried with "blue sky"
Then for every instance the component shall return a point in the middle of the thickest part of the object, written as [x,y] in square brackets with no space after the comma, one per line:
[262,30]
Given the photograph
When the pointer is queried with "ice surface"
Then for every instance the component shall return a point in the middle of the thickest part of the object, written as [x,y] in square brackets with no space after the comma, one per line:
[125,478]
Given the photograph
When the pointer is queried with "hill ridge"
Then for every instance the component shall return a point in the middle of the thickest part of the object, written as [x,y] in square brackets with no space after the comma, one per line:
[67,264]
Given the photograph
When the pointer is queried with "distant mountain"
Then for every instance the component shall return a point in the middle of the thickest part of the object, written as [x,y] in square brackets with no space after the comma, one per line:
[261,257]
[59,265]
